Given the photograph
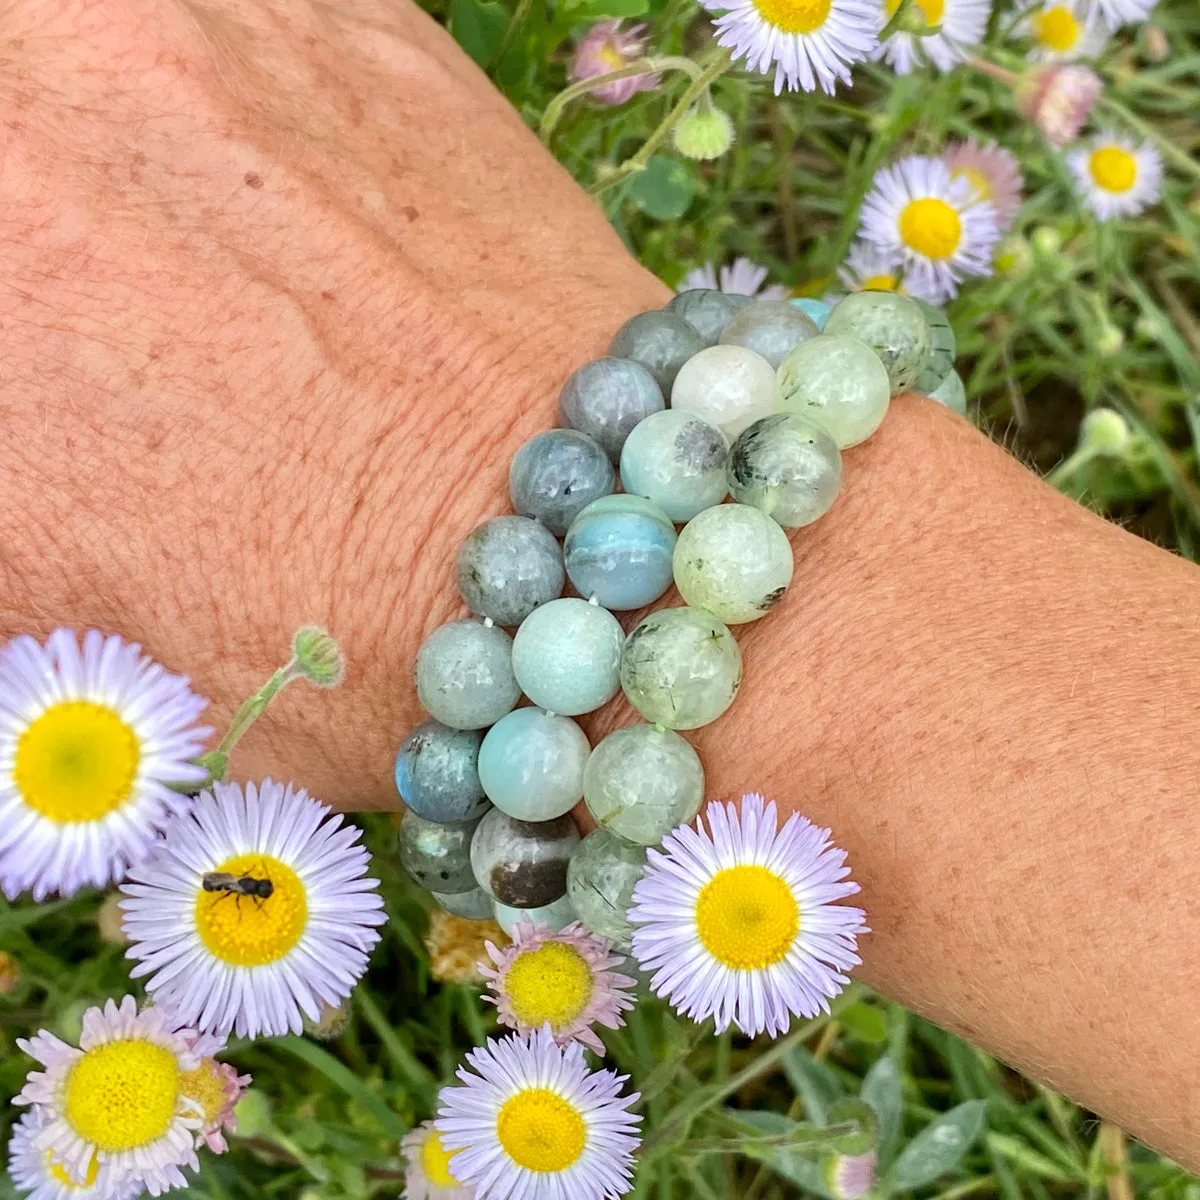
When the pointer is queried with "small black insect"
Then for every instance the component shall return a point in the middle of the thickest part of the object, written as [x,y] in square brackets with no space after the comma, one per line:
[238,886]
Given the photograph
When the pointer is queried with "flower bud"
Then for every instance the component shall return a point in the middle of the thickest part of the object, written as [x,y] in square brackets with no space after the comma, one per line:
[1158,48]
[1104,431]
[10,973]
[253,1113]
[317,657]
[1057,99]
[1109,340]
[1014,256]
[330,1022]
[849,1176]
[606,47]
[109,920]
[703,133]
[1047,241]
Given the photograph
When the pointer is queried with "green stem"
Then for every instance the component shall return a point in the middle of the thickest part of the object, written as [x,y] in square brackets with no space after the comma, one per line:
[994,70]
[1179,157]
[643,66]
[698,86]
[1070,465]
[510,30]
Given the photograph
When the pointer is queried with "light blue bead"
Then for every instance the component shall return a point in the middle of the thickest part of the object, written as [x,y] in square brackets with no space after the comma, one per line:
[619,550]
[556,474]
[554,916]
[436,774]
[464,675]
[676,459]
[815,309]
[531,764]
[951,393]
[567,656]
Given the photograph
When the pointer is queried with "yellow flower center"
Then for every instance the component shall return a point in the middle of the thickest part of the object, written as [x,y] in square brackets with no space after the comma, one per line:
[122,1095]
[794,16]
[1056,28]
[435,1162]
[879,283]
[610,56]
[59,1173]
[747,917]
[981,186]
[249,931]
[933,10]
[76,762]
[540,1131]
[930,227]
[552,983]
[1113,169]
[206,1087]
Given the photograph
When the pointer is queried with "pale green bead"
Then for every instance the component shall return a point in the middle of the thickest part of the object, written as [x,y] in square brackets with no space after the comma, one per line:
[772,328]
[554,916]
[951,393]
[733,562]
[601,877]
[788,467]
[943,347]
[677,460]
[641,782]
[680,668]
[893,326]
[728,386]
[567,655]
[838,382]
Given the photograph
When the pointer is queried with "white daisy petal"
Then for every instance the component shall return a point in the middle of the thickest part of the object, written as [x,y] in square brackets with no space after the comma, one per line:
[1117,175]
[256,964]
[91,741]
[869,269]
[1063,30]
[428,1173]
[40,1175]
[739,278]
[1116,13]
[963,26]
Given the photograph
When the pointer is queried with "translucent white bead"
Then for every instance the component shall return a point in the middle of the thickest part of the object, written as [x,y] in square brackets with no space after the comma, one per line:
[531,764]
[677,460]
[838,382]
[771,328]
[729,386]
[567,655]
[788,467]
[733,562]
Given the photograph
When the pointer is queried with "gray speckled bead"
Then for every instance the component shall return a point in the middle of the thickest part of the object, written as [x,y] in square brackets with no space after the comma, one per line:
[567,654]
[641,782]
[771,328]
[557,473]
[606,398]
[838,382]
[523,864]
[437,774]
[531,764]
[951,393]
[732,562]
[893,326]
[600,883]
[437,856]
[464,675]
[507,566]
[943,347]
[661,341]
[554,916]
[619,551]
[788,467]
[475,905]
[676,459]
[680,668]
[707,311]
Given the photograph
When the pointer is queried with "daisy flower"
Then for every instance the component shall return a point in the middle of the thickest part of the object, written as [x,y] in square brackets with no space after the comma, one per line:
[993,173]
[1117,176]
[1124,12]
[607,47]
[918,211]
[531,1122]
[811,42]
[215,1088]
[116,1102]
[39,1174]
[257,964]
[1063,30]
[963,25]
[868,269]
[740,278]
[740,922]
[427,1174]
[94,740]
[562,980]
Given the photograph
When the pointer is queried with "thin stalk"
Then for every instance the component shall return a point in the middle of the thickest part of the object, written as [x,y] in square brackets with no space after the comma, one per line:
[994,70]
[510,30]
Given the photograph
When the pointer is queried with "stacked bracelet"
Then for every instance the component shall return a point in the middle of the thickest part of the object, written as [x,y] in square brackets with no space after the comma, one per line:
[764,397]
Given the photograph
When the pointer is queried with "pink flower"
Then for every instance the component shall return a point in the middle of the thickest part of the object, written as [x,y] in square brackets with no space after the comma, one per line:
[1058,98]
[993,173]
[606,47]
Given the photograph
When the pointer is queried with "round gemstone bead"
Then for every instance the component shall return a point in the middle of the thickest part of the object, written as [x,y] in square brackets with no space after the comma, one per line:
[661,341]
[436,855]
[554,916]
[706,311]
[600,883]
[464,675]
[786,466]
[567,656]
[437,774]
[677,460]
[680,668]
[641,782]
[893,326]
[816,310]
[838,382]
[732,562]
[619,551]
[507,566]
[728,386]
[606,398]
[951,393]
[531,764]
[475,905]
[557,473]
[520,863]
[943,347]
[770,328]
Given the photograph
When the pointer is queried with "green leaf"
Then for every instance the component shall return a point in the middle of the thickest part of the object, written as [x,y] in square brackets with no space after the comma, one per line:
[663,190]
[791,1165]
[882,1091]
[865,1022]
[814,1082]
[478,26]
[939,1147]
[598,10]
